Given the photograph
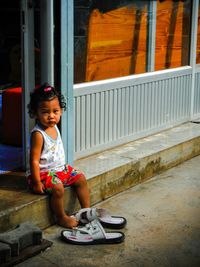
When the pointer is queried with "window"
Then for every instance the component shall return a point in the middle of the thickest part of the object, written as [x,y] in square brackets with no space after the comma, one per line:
[110,39]
[173,25]
[198,39]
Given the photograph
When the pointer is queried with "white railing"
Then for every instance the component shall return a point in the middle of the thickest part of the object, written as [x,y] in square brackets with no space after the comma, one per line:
[196,112]
[112,112]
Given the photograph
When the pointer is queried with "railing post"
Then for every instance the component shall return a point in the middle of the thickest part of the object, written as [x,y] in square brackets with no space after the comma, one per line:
[151,40]
[193,48]
[47,41]
[67,127]
[28,72]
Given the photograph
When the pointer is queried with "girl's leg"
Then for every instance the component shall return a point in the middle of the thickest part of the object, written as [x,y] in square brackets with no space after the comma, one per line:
[82,191]
[57,204]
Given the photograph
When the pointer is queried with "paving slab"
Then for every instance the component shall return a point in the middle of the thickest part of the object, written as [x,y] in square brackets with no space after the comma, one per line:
[20,243]
[21,237]
[26,253]
[5,253]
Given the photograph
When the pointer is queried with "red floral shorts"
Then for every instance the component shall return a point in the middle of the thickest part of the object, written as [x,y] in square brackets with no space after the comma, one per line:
[50,179]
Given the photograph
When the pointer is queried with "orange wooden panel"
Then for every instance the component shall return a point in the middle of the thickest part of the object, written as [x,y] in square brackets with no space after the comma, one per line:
[169,30]
[198,41]
[116,43]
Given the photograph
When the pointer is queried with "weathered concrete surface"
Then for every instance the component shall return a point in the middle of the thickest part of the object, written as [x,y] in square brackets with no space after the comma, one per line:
[163,227]
[108,173]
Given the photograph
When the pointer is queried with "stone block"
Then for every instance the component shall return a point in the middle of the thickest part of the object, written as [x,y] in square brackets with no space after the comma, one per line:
[23,236]
[5,253]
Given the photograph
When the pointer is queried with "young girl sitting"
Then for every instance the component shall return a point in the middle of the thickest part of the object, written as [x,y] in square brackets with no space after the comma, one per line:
[48,170]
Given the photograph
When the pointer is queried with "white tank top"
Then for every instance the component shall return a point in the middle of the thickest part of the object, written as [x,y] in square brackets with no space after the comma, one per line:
[53,156]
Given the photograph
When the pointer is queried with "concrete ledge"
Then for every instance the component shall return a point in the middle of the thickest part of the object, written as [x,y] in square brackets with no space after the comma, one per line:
[108,173]
[118,169]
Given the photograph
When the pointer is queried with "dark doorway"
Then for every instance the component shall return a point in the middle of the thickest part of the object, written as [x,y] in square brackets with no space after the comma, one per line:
[10,83]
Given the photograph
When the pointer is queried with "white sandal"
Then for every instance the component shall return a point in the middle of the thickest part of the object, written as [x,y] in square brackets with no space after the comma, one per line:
[91,233]
[89,214]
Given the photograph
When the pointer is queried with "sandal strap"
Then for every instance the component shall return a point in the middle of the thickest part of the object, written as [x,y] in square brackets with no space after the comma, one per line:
[78,215]
[87,215]
[92,214]
[93,229]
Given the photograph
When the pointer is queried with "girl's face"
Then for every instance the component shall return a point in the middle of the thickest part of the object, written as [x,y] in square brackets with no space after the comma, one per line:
[49,113]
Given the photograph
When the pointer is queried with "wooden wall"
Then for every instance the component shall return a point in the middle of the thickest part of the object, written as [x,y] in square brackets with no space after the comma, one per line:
[115,40]
[116,43]
[198,40]
[172,34]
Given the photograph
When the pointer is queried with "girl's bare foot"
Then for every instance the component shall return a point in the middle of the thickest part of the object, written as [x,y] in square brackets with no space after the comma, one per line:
[67,221]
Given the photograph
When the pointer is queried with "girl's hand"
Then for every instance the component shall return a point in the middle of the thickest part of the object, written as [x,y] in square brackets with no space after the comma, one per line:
[38,188]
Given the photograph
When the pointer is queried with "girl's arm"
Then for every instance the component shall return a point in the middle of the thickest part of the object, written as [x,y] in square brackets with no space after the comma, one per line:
[35,152]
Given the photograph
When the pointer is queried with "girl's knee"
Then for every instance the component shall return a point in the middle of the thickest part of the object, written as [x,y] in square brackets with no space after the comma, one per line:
[81,181]
[58,190]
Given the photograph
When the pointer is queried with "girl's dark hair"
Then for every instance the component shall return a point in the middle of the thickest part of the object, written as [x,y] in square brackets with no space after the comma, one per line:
[44,93]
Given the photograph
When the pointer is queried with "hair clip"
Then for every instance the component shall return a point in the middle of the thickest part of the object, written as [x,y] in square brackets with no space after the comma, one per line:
[47,89]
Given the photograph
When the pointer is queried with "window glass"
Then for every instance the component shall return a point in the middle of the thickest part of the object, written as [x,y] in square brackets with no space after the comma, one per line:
[198,39]
[173,25]
[110,39]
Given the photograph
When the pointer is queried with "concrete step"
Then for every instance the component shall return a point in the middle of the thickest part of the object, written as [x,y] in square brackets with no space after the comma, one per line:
[108,173]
